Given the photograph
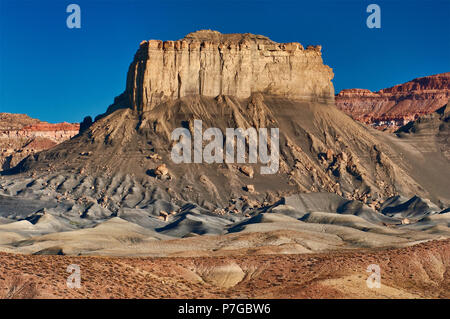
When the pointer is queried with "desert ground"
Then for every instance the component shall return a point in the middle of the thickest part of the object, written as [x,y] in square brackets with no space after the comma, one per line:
[419,271]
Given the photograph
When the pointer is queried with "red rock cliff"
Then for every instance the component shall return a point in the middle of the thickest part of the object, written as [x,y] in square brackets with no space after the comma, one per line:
[394,107]
[21,136]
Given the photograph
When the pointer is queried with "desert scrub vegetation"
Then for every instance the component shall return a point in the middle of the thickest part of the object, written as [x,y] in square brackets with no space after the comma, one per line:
[19,287]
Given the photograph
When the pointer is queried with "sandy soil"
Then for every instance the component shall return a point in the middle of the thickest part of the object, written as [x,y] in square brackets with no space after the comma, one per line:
[420,271]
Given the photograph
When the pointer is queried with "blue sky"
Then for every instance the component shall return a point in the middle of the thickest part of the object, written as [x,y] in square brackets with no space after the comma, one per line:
[58,74]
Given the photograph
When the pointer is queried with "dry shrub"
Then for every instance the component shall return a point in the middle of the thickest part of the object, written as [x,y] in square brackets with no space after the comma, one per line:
[19,287]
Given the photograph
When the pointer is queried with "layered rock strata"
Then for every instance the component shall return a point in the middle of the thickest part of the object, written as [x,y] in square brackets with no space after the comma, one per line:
[394,107]
[210,64]
[21,136]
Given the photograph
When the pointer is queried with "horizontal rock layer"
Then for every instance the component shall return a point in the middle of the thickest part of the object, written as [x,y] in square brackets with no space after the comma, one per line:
[210,64]
[396,106]
[21,136]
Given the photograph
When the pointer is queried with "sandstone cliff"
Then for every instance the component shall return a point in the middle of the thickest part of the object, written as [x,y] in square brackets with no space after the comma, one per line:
[21,135]
[210,64]
[394,107]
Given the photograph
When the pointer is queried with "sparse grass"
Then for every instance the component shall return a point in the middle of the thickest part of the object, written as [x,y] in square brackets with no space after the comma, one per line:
[19,287]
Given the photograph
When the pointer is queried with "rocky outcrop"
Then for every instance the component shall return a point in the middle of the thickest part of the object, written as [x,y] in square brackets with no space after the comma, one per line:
[21,136]
[210,64]
[396,106]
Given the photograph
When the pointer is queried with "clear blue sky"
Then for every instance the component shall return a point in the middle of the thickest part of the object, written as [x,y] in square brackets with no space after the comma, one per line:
[58,74]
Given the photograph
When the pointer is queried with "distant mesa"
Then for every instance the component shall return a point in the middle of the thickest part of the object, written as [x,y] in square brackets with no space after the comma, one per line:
[21,135]
[394,107]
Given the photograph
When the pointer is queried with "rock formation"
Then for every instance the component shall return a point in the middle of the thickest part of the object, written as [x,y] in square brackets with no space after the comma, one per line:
[396,106]
[229,81]
[21,135]
[209,64]
[339,184]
